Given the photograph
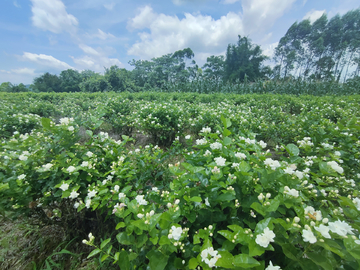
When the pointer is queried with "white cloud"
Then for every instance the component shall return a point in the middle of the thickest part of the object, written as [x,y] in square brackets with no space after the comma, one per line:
[313,15]
[110,6]
[269,49]
[51,15]
[143,19]
[226,2]
[28,71]
[46,60]
[95,59]
[101,35]
[169,33]
[16,4]
[260,15]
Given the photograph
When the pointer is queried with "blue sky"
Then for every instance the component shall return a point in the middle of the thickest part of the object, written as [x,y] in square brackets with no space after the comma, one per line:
[41,36]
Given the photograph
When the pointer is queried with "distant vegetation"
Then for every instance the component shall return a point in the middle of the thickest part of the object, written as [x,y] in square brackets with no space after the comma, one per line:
[327,50]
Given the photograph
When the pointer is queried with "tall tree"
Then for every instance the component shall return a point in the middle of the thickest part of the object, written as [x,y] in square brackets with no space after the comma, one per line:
[244,60]
[47,83]
[214,67]
[70,80]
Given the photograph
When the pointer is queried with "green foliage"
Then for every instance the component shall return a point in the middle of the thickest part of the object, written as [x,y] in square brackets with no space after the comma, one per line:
[216,197]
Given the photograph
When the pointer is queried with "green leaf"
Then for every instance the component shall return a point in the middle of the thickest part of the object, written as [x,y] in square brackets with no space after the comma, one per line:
[104,243]
[157,260]
[226,260]
[260,227]
[120,225]
[193,263]
[245,261]
[352,247]
[104,257]
[45,122]
[227,141]
[89,133]
[292,149]
[125,239]
[258,208]
[244,166]
[124,262]
[94,252]
[196,199]
[116,257]
[226,197]
[226,122]
[226,132]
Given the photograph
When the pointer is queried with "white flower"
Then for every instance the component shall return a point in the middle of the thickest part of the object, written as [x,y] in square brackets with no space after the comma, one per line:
[21,177]
[272,163]
[87,203]
[73,194]
[89,154]
[356,201]
[335,166]
[272,267]
[205,130]
[47,167]
[92,193]
[207,202]
[140,215]
[235,165]
[309,236]
[116,188]
[210,256]
[66,120]
[324,230]
[187,137]
[155,189]
[240,155]
[201,141]
[64,187]
[84,164]
[299,174]
[337,153]
[76,205]
[71,128]
[340,227]
[265,238]
[23,157]
[216,145]
[71,169]
[262,144]
[140,200]
[121,195]
[220,161]
[292,192]
[289,170]
[249,141]
[176,232]
[207,153]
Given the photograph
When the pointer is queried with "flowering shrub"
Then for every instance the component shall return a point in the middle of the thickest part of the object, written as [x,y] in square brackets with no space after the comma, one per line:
[229,201]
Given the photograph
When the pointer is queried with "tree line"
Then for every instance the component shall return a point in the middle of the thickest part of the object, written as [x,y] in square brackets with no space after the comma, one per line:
[325,50]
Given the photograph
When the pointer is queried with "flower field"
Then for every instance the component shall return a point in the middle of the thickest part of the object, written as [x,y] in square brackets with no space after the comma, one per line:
[187,181]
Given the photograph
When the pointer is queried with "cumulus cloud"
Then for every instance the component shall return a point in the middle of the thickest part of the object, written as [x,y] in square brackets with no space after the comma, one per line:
[28,71]
[269,49]
[95,59]
[259,15]
[101,35]
[313,15]
[45,60]
[51,15]
[169,33]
